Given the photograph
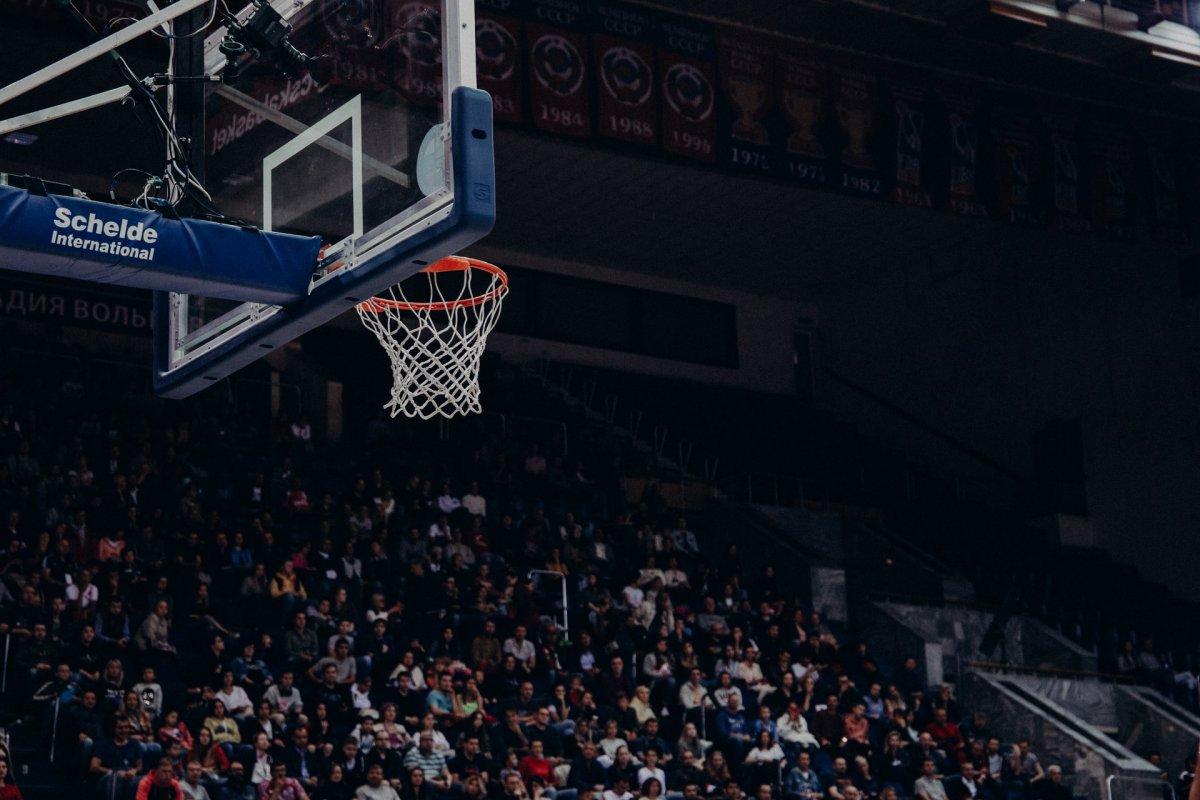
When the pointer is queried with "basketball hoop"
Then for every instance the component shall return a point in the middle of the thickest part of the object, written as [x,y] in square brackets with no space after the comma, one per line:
[435,340]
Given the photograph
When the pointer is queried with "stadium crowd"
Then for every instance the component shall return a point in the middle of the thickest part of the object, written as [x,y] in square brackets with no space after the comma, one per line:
[194,616]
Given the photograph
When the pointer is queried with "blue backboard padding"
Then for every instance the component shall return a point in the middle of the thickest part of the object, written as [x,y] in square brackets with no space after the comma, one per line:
[471,218]
[105,243]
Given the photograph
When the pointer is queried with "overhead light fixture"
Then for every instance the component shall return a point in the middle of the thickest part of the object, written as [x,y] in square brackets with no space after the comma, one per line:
[1178,58]
[20,138]
[1019,14]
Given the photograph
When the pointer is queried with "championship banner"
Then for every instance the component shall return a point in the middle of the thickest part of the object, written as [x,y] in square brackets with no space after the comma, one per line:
[1020,168]
[745,64]
[963,123]
[558,75]
[687,53]
[1066,172]
[623,61]
[1112,178]
[358,44]
[804,103]
[910,118]
[1161,186]
[414,39]
[856,114]
[498,35]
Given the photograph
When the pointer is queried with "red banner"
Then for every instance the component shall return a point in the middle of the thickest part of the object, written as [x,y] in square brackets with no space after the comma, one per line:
[498,57]
[856,116]
[910,118]
[804,102]
[687,64]
[746,68]
[623,58]
[1020,171]
[962,154]
[558,73]
[415,39]
[1067,176]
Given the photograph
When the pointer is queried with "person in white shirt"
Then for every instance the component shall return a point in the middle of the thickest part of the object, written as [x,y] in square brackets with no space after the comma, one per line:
[610,744]
[360,693]
[519,647]
[651,769]
[694,694]
[792,729]
[284,698]
[673,576]
[619,790]
[751,673]
[725,690]
[447,503]
[474,502]
[261,771]
[83,593]
[236,701]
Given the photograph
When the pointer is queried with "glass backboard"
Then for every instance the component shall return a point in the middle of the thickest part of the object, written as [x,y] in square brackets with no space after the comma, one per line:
[379,144]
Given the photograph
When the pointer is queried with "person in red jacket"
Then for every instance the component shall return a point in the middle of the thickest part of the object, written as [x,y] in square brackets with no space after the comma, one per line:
[8,789]
[535,766]
[947,735]
[160,784]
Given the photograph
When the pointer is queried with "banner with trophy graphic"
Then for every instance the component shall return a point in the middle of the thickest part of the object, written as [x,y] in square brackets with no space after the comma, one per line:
[624,65]
[857,119]
[557,46]
[745,67]
[1067,176]
[1174,10]
[1161,182]
[804,106]
[911,124]
[1111,188]
[1019,164]
[498,59]
[416,27]
[964,122]
[687,64]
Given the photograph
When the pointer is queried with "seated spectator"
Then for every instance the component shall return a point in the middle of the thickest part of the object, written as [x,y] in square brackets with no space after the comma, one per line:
[801,781]
[160,783]
[8,789]
[116,763]
[281,787]
[929,785]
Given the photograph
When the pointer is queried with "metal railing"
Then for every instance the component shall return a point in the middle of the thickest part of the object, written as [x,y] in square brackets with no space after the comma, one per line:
[1135,787]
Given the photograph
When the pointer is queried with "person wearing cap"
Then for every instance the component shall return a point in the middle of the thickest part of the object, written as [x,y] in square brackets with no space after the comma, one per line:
[431,762]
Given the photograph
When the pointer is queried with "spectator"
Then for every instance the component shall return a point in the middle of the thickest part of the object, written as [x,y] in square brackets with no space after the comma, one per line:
[160,783]
[929,785]
[281,787]
[8,789]
[116,763]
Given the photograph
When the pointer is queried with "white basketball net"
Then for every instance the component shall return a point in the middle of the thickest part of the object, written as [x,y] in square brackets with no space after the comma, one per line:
[435,344]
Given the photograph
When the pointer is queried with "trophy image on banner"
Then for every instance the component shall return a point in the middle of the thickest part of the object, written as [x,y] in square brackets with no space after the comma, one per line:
[909,132]
[856,124]
[749,98]
[1018,174]
[1066,176]
[803,112]
[964,140]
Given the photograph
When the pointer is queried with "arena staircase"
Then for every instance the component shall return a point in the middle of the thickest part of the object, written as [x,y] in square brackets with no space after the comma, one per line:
[1094,764]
